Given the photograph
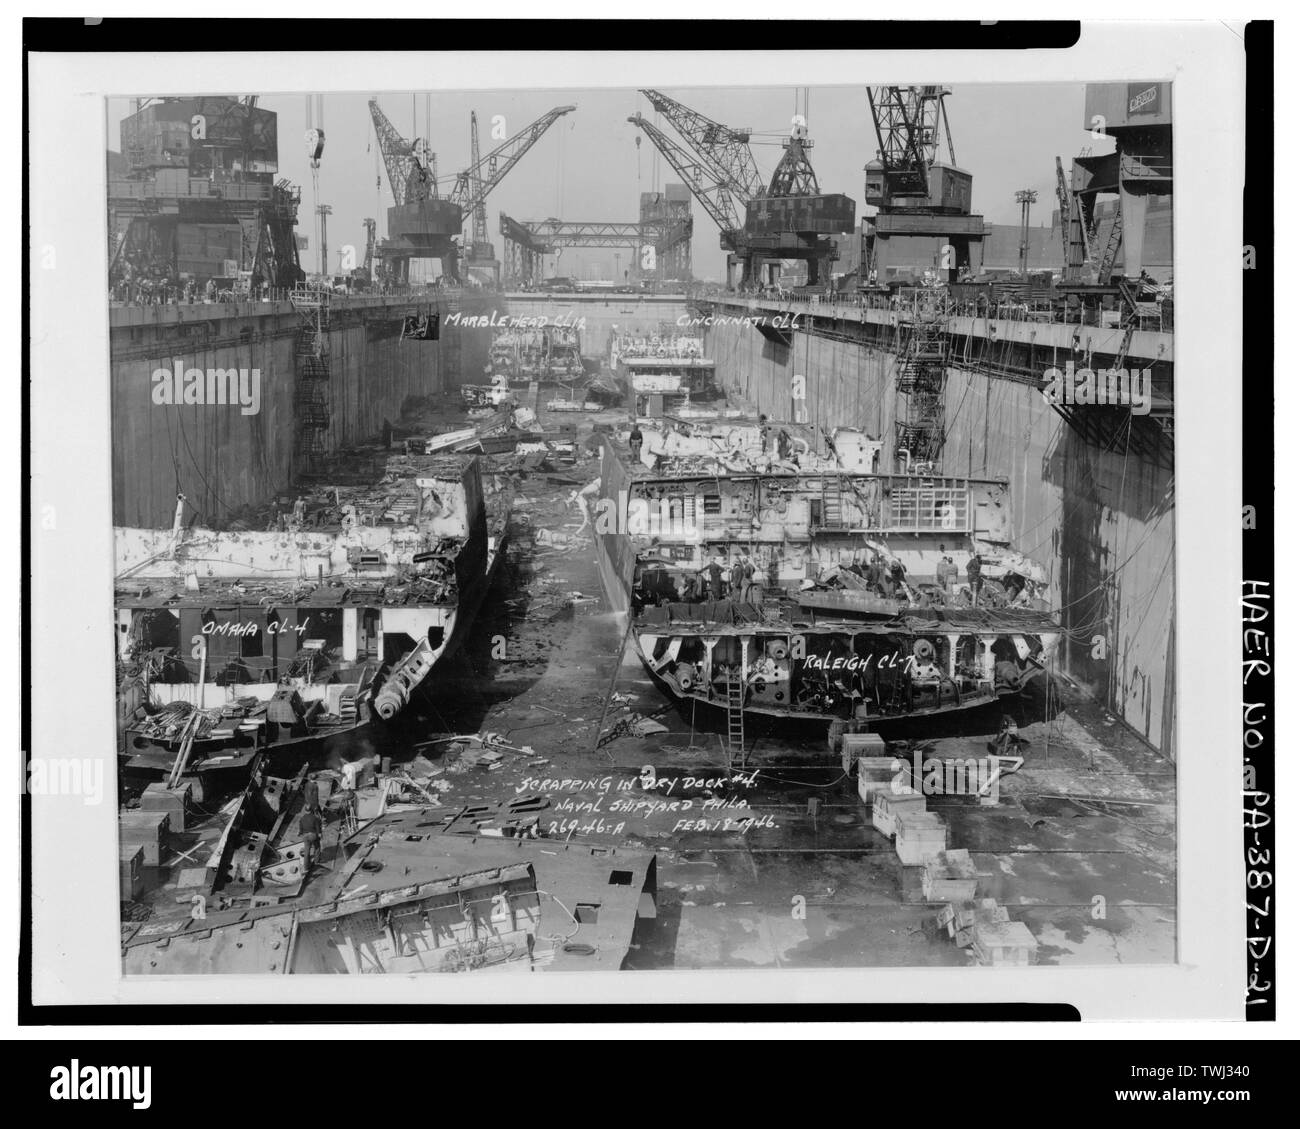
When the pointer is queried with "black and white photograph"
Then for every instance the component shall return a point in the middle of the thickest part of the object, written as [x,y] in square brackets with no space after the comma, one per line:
[692,567]
[649,518]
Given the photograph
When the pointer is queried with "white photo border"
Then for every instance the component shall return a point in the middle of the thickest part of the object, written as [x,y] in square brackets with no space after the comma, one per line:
[76,954]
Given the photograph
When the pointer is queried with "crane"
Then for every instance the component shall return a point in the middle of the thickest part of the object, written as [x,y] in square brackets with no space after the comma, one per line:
[759,224]
[365,274]
[484,174]
[715,192]
[723,149]
[1076,238]
[794,174]
[917,193]
[423,224]
[908,121]
[480,236]
[412,166]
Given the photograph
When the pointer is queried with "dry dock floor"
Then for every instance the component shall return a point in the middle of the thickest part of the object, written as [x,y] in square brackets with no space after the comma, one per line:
[1092,877]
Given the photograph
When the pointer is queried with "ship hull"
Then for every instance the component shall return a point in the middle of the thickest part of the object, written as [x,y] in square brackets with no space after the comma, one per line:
[228,758]
[968,704]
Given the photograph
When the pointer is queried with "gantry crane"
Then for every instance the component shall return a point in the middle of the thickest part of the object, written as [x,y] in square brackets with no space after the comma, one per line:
[917,194]
[759,224]
[920,200]
[423,224]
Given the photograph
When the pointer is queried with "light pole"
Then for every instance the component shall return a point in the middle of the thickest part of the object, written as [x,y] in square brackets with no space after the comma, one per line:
[1024,198]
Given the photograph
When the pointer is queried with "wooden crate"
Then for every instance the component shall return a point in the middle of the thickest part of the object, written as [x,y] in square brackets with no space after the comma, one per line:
[130,870]
[1004,943]
[876,774]
[146,829]
[959,918]
[887,806]
[857,745]
[950,876]
[920,836]
[158,797]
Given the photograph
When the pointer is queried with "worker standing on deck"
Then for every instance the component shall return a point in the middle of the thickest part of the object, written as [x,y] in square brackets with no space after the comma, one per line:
[715,578]
[746,577]
[973,570]
[945,572]
[309,826]
[783,445]
[737,579]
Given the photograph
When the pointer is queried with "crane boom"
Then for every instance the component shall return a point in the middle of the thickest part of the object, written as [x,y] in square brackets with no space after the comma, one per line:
[474,184]
[412,174]
[705,185]
[722,149]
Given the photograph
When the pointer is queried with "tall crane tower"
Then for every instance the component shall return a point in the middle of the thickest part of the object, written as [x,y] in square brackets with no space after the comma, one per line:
[422,224]
[482,255]
[923,202]
[364,275]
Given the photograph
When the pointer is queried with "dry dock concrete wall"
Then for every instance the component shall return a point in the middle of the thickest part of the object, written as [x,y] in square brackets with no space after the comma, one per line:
[598,316]
[1101,522]
[171,437]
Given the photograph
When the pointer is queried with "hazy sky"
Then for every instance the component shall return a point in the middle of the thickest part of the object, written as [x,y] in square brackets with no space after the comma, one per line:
[588,165]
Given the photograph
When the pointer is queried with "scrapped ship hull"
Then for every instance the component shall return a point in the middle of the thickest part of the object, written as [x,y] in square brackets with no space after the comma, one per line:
[771,699]
[460,625]
[712,711]
[230,758]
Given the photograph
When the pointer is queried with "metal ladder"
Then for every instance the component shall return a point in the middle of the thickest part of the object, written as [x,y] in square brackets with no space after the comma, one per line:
[735,718]
[832,510]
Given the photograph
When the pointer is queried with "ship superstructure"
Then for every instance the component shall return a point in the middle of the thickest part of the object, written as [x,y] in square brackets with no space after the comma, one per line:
[548,354]
[233,642]
[776,573]
[665,372]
